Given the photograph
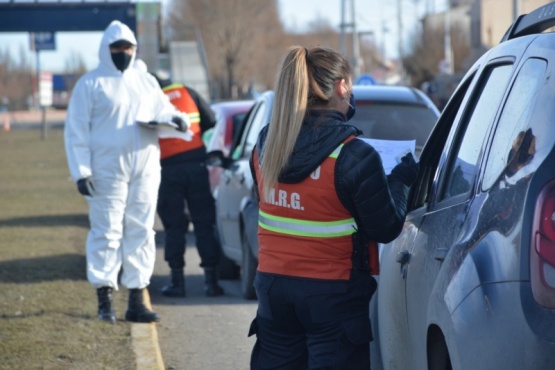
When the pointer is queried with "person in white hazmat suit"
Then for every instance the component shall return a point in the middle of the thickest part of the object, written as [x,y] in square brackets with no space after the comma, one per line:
[115,162]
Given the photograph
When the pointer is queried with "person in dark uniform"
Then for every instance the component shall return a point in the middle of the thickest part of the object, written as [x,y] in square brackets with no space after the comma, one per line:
[325,202]
[185,184]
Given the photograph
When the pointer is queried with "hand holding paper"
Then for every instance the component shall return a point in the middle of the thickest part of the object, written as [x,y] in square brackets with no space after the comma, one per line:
[181,124]
[391,151]
[407,170]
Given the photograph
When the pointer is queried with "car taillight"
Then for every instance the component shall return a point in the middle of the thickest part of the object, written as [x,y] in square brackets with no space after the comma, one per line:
[542,253]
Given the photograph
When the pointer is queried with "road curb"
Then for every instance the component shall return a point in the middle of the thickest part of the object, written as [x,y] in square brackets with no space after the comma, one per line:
[144,341]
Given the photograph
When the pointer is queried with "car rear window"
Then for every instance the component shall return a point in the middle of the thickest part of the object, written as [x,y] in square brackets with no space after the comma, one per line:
[388,121]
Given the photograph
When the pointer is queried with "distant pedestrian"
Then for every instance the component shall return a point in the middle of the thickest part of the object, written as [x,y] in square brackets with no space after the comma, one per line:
[185,186]
[325,202]
[115,164]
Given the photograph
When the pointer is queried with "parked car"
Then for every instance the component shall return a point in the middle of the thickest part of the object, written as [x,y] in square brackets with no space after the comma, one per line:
[382,112]
[229,117]
[470,281]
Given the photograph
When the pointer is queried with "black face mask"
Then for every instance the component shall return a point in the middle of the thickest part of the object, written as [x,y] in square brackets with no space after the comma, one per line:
[352,107]
[121,60]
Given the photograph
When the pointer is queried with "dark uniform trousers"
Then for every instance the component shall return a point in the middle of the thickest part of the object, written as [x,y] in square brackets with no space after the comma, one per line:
[312,324]
[187,183]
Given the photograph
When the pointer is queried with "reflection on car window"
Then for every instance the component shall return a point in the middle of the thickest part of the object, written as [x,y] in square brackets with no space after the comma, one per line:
[435,146]
[258,122]
[515,118]
[217,142]
[463,167]
[394,121]
[237,121]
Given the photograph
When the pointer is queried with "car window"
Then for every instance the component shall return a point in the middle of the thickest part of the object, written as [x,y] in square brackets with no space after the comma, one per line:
[463,166]
[395,121]
[435,144]
[259,120]
[514,120]
[237,120]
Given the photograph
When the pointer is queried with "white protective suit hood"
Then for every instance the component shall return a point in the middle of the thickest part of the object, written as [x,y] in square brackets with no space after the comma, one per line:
[114,32]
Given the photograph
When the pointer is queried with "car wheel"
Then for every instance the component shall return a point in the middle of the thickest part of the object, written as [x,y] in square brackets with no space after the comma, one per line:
[248,269]
[227,269]
[438,354]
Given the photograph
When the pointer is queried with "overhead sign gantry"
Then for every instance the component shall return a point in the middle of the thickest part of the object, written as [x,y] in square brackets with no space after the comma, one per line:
[64,15]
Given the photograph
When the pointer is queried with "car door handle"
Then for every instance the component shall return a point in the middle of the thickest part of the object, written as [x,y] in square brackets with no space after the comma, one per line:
[242,179]
[403,257]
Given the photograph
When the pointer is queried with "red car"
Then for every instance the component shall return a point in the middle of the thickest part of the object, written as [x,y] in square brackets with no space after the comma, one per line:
[229,118]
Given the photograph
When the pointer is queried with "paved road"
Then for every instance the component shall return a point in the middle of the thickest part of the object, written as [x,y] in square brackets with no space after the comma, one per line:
[197,332]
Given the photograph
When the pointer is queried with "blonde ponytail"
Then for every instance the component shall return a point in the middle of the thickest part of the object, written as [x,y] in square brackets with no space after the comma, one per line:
[290,102]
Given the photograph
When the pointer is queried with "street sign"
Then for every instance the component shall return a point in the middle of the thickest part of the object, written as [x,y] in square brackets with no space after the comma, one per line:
[43,41]
[45,89]
[365,79]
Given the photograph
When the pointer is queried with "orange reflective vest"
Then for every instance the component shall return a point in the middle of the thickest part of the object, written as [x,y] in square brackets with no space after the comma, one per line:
[304,230]
[182,100]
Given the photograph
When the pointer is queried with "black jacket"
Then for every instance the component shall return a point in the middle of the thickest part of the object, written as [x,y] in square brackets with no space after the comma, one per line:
[378,203]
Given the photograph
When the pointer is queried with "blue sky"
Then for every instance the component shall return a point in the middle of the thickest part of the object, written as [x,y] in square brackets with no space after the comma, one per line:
[371,15]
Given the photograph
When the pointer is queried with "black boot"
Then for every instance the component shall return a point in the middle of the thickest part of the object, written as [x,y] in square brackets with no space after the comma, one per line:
[177,287]
[105,306]
[211,281]
[136,309]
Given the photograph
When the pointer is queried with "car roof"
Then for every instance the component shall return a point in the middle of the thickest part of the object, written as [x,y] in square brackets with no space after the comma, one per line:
[393,94]
[385,93]
[232,104]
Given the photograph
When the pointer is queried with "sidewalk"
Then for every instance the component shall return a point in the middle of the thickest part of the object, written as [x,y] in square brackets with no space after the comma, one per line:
[199,332]
[144,338]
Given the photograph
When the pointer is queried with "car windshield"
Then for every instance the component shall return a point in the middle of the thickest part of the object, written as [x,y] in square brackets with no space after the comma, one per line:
[394,121]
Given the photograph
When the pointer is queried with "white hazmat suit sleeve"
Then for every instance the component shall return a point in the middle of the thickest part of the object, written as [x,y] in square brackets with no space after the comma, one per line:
[77,133]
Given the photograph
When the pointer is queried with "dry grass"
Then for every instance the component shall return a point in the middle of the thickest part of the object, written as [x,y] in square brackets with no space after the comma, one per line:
[47,307]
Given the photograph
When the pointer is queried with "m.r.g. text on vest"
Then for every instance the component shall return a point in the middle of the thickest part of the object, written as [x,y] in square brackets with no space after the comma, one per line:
[284,199]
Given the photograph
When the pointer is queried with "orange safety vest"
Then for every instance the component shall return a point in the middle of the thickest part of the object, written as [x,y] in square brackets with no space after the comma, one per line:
[304,230]
[182,100]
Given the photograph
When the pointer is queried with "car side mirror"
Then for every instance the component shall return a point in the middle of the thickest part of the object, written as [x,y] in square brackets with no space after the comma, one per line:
[216,158]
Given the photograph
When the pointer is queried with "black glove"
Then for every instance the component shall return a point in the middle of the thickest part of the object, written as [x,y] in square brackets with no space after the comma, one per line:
[85,186]
[407,170]
[181,125]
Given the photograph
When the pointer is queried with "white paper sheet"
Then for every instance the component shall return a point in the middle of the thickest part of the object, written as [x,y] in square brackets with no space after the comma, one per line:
[392,150]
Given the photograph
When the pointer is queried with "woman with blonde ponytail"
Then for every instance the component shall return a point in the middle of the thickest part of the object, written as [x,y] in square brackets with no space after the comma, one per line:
[325,202]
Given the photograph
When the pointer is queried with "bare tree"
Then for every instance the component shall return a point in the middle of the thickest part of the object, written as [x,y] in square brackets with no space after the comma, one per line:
[245,41]
[427,51]
[231,30]
[75,63]
[16,80]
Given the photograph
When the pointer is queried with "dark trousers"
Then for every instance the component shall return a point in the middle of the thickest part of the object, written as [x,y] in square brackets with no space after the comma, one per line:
[186,185]
[312,324]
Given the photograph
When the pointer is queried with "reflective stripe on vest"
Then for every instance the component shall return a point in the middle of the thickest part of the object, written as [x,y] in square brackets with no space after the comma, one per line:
[336,152]
[316,229]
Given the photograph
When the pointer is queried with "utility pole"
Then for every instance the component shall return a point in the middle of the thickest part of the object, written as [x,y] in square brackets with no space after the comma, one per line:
[400,39]
[355,55]
[516,8]
[356,46]
[343,25]
[447,40]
